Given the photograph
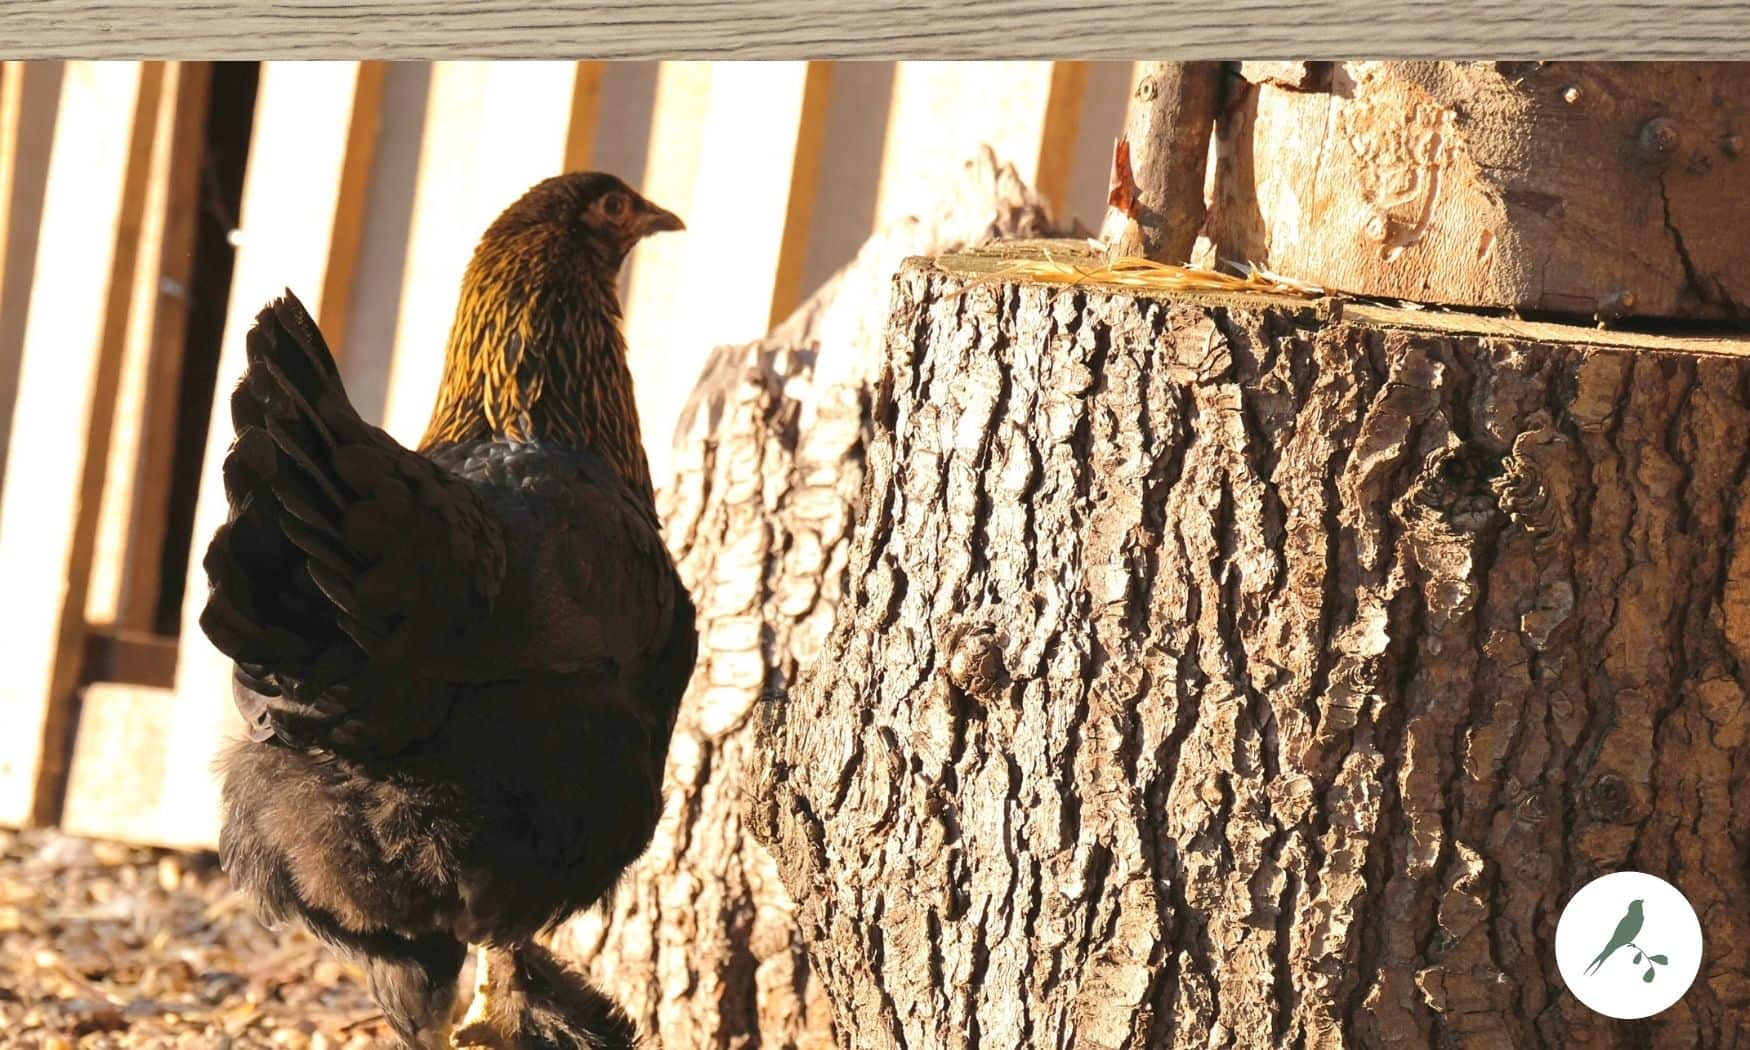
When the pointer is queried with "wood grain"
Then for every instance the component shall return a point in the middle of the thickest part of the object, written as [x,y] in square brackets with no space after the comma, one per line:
[823,29]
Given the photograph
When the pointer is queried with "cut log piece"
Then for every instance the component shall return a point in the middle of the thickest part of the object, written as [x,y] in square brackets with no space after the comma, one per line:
[1248,672]
[1586,188]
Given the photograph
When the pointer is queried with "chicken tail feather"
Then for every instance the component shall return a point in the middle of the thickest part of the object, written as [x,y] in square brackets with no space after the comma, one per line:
[339,547]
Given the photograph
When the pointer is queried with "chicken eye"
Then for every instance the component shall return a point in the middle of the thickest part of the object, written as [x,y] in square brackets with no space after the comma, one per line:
[614,205]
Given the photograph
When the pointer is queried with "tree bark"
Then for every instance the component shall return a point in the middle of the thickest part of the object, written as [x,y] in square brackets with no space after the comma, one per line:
[1239,671]
[700,942]
[1583,188]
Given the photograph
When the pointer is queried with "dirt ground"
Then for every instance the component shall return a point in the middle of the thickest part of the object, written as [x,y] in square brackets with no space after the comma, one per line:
[104,945]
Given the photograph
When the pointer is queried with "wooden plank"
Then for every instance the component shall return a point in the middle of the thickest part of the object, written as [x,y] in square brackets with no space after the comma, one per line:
[11,119]
[375,302]
[849,178]
[738,215]
[943,111]
[1106,91]
[491,132]
[120,655]
[55,461]
[803,29]
[1057,134]
[586,101]
[131,523]
[120,764]
[653,294]
[349,203]
[304,154]
[787,289]
[28,100]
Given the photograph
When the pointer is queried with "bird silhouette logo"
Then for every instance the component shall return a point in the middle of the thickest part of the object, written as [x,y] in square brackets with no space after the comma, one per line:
[1627,929]
[1628,945]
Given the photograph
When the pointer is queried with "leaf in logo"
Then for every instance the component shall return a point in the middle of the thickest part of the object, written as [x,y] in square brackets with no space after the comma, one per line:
[1637,957]
[1648,976]
[1660,959]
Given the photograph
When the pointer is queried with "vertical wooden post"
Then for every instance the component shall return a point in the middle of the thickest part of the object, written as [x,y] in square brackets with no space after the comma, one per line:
[586,102]
[126,562]
[943,111]
[787,290]
[60,425]
[653,296]
[1157,202]
[29,94]
[1057,135]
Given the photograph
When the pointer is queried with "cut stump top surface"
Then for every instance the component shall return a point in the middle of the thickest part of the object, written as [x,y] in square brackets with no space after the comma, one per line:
[995,262]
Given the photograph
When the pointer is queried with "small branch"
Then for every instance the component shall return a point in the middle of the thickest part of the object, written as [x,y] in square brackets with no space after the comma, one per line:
[1156,206]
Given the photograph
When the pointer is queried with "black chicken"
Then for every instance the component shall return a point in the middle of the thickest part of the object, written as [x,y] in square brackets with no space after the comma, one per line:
[460,665]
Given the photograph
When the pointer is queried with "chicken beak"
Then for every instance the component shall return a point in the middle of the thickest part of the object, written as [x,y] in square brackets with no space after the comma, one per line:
[657,220]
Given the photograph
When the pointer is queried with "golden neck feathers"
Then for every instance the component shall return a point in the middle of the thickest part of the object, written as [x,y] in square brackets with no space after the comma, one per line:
[536,353]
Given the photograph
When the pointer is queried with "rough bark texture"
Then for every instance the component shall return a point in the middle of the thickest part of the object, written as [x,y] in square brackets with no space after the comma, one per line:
[1586,188]
[1157,202]
[1242,673]
[700,943]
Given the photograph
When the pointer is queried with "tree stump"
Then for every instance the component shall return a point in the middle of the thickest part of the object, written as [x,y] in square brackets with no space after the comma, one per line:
[1240,671]
[700,943]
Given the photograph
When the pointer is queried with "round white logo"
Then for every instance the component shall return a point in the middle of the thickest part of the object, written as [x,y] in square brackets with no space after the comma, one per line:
[1628,945]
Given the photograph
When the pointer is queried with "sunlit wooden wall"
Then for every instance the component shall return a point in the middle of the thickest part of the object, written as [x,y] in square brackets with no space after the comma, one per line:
[364,190]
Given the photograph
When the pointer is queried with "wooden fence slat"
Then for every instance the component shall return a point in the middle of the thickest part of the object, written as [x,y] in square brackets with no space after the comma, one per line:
[349,204]
[1057,134]
[29,97]
[586,102]
[719,281]
[942,111]
[11,124]
[787,290]
[1106,88]
[374,304]
[305,154]
[491,131]
[120,764]
[134,510]
[653,294]
[60,426]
